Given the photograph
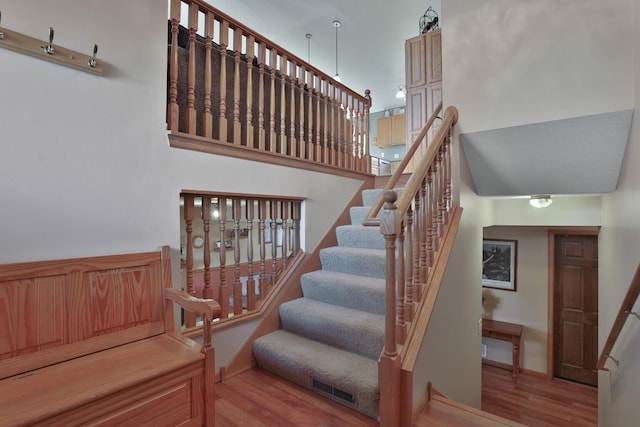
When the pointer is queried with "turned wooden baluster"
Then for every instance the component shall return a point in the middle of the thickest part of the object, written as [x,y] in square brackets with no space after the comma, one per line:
[293,141]
[206,221]
[173,110]
[310,104]
[317,156]
[326,128]
[207,116]
[419,246]
[352,138]
[302,143]
[410,266]
[191,70]
[357,122]
[447,150]
[295,226]
[400,281]
[435,194]
[339,130]
[223,298]
[426,195]
[262,215]
[334,111]
[272,103]
[190,317]
[249,124]
[251,283]
[237,47]
[274,239]
[366,127]
[282,146]
[224,42]
[441,190]
[284,250]
[262,57]
[237,285]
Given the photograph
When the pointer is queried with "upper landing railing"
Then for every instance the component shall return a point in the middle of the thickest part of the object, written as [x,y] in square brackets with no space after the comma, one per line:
[232,91]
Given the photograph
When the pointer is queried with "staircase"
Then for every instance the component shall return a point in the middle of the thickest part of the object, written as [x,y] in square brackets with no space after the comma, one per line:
[331,338]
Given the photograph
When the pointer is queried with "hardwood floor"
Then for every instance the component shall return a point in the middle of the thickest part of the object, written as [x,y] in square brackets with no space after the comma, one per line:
[258,398]
[536,401]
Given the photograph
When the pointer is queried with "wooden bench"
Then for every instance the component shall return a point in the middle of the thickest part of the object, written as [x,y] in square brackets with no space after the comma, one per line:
[92,341]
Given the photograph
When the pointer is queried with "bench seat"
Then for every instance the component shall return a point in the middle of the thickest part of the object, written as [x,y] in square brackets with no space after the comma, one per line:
[63,393]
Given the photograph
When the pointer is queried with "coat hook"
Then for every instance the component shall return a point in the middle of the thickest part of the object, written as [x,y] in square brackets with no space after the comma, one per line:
[48,49]
[92,61]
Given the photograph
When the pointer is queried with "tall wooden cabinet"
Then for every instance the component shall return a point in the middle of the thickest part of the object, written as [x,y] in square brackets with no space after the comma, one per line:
[423,80]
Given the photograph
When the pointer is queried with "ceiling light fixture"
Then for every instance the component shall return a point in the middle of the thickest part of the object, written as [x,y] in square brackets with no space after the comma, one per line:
[540,200]
[308,36]
[337,25]
[401,93]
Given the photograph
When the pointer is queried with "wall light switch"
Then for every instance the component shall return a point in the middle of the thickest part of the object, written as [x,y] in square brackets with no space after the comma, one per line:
[396,156]
[484,351]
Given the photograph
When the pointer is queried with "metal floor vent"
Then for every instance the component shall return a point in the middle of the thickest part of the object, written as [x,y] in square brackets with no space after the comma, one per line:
[333,392]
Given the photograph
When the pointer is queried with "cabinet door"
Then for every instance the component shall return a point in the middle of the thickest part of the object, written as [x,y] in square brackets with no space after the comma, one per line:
[398,130]
[384,132]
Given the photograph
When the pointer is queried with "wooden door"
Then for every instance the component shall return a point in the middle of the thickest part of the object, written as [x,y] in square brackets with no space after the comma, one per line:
[576,308]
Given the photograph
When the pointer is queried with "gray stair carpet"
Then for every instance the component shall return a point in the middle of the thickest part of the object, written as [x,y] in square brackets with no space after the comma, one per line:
[332,337]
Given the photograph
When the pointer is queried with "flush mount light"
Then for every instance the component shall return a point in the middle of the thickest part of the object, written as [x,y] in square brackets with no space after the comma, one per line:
[540,200]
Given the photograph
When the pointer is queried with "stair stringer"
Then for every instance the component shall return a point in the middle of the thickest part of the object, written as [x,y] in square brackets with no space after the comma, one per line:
[418,328]
[289,289]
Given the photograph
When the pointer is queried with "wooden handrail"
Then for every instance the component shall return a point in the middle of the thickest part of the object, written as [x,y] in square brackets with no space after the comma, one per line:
[625,310]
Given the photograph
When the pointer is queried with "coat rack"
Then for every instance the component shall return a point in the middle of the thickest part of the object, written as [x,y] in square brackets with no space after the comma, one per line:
[49,52]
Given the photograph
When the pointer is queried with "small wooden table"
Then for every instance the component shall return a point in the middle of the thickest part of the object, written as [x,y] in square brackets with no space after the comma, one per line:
[505,331]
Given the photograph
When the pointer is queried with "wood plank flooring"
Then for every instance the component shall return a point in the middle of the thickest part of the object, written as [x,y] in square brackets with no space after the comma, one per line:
[258,398]
[536,401]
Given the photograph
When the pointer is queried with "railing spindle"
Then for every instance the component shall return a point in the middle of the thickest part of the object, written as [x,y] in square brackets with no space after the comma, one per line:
[293,142]
[207,116]
[237,46]
[223,297]
[237,286]
[206,221]
[173,110]
[272,103]
[249,121]
[262,215]
[224,43]
[282,146]
[190,317]
[262,57]
[191,69]
[251,283]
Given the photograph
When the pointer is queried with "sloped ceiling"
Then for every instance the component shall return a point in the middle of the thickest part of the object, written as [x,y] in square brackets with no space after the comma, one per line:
[574,156]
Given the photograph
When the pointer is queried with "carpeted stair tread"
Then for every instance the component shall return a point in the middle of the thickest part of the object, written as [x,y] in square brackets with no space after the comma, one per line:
[347,290]
[352,330]
[362,261]
[338,374]
[358,236]
[359,213]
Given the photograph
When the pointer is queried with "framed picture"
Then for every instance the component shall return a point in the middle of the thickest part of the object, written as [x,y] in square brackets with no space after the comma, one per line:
[499,264]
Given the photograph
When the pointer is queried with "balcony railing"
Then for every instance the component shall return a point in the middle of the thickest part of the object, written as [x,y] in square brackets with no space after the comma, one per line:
[231,89]
[234,247]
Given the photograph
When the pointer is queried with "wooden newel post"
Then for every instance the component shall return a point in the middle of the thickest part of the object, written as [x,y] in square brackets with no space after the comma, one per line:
[389,367]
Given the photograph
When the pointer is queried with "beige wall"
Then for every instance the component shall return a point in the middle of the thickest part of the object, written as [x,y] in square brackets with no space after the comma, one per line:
[619,253]
[527,306]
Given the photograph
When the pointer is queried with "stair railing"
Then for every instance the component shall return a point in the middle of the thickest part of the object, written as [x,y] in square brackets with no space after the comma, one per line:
[413,226]
[625,310]
[231,91]
[235,247]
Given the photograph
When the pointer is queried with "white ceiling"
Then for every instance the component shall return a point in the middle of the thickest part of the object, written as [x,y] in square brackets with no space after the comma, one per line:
[370,39]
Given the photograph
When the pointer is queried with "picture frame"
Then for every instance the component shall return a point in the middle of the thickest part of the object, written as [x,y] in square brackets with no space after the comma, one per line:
[499,264]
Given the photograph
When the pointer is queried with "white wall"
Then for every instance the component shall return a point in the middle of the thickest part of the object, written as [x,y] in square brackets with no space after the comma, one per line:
[85,164]
[619,253]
